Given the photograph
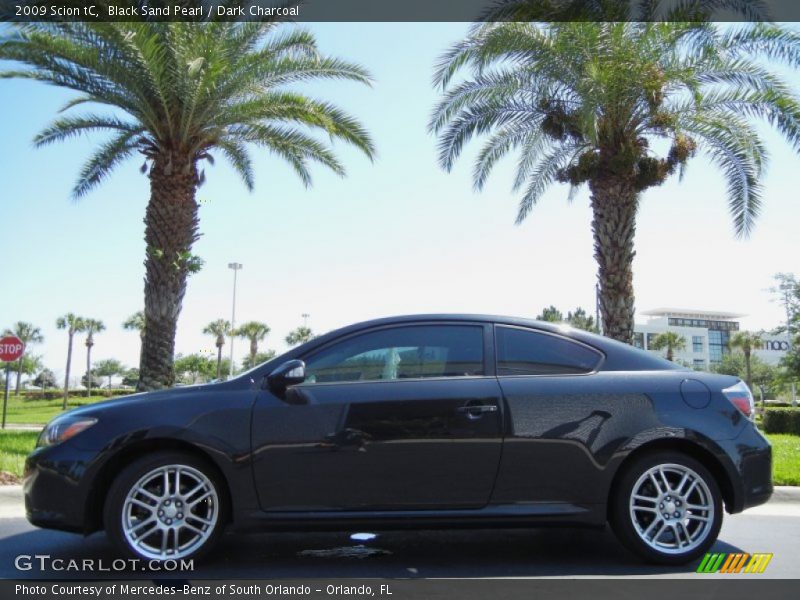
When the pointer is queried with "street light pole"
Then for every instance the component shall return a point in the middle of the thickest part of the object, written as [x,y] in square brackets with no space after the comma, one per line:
[235,266]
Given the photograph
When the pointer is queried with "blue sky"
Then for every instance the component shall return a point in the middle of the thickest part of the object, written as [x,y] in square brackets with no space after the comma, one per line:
[397,236]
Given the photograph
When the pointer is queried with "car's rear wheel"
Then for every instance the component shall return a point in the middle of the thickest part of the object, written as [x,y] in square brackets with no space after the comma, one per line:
[667,508]
[166,505]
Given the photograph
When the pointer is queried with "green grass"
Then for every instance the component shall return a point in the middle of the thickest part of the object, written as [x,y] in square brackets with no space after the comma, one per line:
[14,447]
[39,412]
[785,458]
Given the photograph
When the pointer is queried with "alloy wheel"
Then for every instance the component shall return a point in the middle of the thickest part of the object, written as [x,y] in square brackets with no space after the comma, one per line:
[671,508]
[170,512]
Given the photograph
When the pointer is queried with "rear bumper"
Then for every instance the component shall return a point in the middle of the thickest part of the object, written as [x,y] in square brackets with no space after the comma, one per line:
[751,454]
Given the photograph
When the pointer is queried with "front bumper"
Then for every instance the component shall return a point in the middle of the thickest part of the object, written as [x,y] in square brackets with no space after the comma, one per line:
[56,488]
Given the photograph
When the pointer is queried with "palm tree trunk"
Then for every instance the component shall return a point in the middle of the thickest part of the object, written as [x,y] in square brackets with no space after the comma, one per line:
[19,374]
[747,368]
[614,203]
[88,371]
[66,371]
[171,224]
[219,361]
[669,353]
[253,352]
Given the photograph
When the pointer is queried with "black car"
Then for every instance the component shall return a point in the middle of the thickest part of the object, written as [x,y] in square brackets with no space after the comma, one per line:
[414,422]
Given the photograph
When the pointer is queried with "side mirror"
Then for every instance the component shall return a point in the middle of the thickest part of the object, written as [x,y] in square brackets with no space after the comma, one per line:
[292,372]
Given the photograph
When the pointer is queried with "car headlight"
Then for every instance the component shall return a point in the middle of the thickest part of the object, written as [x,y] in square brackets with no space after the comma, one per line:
[61,429]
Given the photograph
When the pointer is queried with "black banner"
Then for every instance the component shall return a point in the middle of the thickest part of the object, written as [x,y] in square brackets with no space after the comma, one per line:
[399,10]
[404,589]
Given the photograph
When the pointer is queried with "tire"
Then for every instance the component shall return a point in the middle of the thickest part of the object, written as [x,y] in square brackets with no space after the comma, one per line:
[673,524]
[139,514]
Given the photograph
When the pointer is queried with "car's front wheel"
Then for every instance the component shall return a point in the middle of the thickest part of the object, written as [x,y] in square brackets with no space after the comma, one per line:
[166,505]
[667,507]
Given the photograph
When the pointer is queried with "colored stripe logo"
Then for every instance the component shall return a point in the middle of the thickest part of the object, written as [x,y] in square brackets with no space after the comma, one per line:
[737,562]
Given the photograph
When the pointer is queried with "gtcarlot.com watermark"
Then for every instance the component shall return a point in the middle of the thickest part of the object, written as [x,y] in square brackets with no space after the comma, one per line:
[46,563]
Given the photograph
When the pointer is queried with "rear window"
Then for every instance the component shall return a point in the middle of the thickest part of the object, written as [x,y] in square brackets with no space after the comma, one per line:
[526,352]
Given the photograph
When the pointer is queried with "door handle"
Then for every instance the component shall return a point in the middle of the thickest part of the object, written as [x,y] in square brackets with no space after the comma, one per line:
[475,411]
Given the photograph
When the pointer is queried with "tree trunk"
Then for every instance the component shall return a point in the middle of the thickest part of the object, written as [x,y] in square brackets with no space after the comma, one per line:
[19,373]
[747,368]
[253,352]
[614,203]
[219,361]
[171,224]
[66,371]
[669,353]
[88,370]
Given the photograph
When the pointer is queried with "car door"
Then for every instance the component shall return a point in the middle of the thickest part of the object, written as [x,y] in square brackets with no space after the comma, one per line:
[399,417]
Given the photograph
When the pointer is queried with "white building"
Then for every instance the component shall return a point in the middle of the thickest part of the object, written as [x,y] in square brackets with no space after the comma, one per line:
[707,334]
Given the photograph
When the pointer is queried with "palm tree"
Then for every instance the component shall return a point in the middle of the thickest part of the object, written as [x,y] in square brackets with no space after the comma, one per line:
[299,336]
[746,342]
[181,93]
[219,329]
[90,326]
[670,340]
[254,331]
[136,323]
[584,102]
[73,324]
[28,334]
[109,368]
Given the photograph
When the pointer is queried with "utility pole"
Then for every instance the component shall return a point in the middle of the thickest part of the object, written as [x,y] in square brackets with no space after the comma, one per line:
[236,267]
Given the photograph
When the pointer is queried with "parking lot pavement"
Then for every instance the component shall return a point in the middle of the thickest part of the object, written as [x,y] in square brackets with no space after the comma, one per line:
[519,553]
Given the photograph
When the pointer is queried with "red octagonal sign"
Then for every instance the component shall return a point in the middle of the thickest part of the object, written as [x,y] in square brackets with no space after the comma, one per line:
[11,348]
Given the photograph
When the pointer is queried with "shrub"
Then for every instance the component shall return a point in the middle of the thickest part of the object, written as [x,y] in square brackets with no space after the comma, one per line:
[782,420]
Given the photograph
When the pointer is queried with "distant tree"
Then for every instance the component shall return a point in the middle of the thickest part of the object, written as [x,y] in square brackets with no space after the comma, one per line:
[580,319]
[29,334]
[130,377]
[193,366]
[551,314]
[197,368]
[251,361]
[91,326]
[45,379]
[91,379]
[254,331]
[136,323]
[73,324]
[746,342]
[108,368]
[670,340]
[301,335]
[219,329]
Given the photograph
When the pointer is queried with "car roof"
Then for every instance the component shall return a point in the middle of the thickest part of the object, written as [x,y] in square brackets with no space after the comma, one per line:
[619,356]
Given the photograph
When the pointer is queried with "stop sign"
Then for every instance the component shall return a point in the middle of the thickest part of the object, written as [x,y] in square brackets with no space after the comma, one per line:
[11,348]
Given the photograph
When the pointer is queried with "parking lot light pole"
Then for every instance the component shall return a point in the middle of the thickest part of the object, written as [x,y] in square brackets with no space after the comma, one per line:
[235,266]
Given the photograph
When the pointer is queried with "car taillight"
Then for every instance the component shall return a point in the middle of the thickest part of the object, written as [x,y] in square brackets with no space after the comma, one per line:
[742,398]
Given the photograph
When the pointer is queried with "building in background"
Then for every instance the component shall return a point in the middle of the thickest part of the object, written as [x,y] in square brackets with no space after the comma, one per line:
[707,334]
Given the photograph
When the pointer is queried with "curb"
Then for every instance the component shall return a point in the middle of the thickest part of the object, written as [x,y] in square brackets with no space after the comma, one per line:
[785,493]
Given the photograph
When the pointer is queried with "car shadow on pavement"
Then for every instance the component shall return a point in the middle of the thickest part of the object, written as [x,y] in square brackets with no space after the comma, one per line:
[546,552]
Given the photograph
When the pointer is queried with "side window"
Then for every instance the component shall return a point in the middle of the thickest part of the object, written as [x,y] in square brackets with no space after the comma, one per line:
[401,353]
[525,352]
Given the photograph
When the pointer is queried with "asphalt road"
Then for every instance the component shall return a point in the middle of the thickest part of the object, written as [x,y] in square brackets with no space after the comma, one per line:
[774,528]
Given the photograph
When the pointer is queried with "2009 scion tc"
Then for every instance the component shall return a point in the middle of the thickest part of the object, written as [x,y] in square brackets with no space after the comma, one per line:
[423,421]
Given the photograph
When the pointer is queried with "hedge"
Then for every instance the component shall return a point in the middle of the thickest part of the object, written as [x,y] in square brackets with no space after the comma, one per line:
[782,420]
[76,394]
